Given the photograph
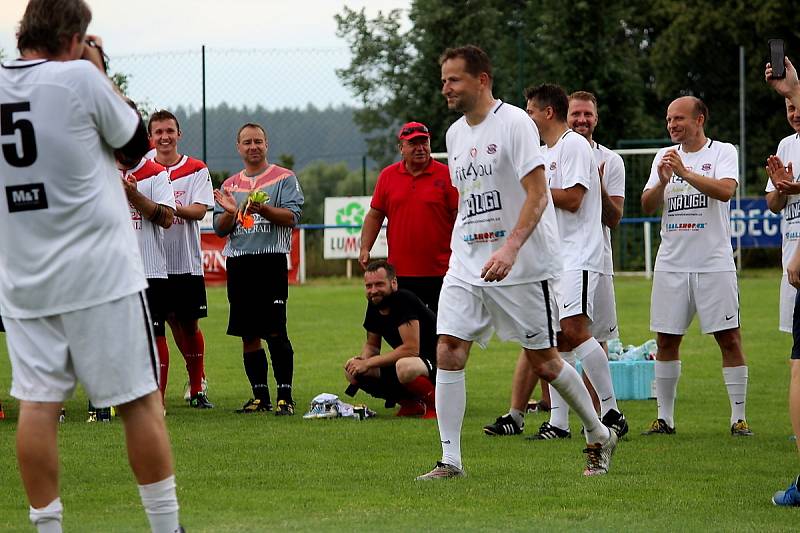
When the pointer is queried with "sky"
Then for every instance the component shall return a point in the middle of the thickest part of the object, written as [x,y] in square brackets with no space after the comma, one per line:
[274,53]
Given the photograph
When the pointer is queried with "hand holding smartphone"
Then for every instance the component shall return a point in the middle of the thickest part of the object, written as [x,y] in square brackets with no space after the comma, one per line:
[776,55]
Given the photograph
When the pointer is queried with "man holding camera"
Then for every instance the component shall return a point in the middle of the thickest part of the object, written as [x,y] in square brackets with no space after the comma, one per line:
[71,277]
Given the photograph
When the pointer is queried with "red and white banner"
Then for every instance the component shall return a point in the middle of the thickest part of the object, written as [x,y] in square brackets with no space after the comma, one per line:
[214,262]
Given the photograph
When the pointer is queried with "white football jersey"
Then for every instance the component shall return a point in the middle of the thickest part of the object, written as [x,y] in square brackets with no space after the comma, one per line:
[614,183]
[486,164]
[152,181]
[66,241]
[192,185]
[696,229]
[568,163]
[789,152]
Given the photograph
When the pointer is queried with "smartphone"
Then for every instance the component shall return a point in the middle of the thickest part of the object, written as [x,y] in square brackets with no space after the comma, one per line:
[776,55]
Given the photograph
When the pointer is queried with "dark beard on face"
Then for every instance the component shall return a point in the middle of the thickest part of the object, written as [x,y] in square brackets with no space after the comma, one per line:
[386,302]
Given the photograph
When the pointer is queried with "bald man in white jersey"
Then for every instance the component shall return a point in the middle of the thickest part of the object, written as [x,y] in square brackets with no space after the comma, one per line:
[504,257]
[71,276]
[693,182]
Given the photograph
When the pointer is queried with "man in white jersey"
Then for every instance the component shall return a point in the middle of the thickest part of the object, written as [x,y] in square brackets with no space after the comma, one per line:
[187,304]
[504,257]
[783,196]
[71,276]
[694,272]
[572,172]
[574,183]
[582,118]
[152,206]
[784,182]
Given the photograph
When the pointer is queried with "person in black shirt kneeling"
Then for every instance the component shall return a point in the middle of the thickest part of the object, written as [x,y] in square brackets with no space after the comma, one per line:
[405,375]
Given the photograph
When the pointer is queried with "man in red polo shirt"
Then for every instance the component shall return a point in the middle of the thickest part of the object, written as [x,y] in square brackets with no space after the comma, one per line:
[416,195]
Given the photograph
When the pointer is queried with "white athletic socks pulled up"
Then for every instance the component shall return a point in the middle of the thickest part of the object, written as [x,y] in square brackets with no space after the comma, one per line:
[736,383]
[667,375]
[161,505]
[451,402]
[595,363]
[47,519]
[569,385]
[559,408]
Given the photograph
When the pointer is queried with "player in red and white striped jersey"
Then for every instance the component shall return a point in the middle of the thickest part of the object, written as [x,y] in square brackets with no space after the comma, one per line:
[152,202]
[193,196]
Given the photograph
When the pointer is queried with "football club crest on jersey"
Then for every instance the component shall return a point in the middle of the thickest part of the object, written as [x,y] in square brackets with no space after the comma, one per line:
[491,149]
[706,167]
[473,152]
[553,165]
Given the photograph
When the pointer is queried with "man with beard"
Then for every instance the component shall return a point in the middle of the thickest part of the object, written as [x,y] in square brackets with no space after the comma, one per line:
[407,373]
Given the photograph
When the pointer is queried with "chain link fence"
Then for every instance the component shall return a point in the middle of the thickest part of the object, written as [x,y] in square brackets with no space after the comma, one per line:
[293,93]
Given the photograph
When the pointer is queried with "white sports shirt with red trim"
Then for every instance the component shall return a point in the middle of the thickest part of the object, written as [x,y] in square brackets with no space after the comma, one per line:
[192,185]
[66,241]
[152,181]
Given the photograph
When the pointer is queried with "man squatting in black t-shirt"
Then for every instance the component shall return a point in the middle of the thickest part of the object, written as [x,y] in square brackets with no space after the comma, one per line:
[407,374]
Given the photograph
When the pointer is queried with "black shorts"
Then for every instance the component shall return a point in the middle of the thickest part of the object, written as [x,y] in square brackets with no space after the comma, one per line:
[258,288]
[157,297]
[390,383]
[187,297]
[427,289]
[796,327]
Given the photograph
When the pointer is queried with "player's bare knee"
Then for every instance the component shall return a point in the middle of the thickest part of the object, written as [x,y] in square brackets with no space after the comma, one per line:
[409,368]
[451,353]
[730,344]
[668,346]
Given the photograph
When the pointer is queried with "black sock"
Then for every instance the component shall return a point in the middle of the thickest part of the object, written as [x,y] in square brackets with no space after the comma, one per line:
[255,365]
[282,356]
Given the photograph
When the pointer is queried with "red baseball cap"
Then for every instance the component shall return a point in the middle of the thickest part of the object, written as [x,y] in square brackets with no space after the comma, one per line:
[411,130]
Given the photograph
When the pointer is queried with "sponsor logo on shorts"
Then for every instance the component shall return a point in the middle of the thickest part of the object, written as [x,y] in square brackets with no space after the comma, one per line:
[530,335]
[488,236]
[729,317]
[611,329]
[686,226]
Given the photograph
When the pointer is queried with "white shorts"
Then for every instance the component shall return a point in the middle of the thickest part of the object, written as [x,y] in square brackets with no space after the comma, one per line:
[604,324]
[523,313]
[575,291]
[788,294]
[108,348]
[677,296]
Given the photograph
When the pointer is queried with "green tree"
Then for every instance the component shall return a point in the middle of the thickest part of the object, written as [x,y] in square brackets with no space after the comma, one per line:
[396,74]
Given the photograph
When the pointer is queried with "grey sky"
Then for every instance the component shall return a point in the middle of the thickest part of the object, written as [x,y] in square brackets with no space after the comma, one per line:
[158,44]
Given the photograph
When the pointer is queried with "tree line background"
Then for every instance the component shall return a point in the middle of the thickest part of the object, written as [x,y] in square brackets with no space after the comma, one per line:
[634,56]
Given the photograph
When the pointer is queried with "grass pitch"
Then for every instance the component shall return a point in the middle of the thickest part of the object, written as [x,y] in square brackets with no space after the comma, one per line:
[266,473]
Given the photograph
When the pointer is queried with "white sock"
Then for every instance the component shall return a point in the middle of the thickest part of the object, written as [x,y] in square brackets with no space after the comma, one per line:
[559,408]
[48,518]
[571,387]
[518,416]
[451,402]
[667,375]
[736,383]
[595,363]
[161,505]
